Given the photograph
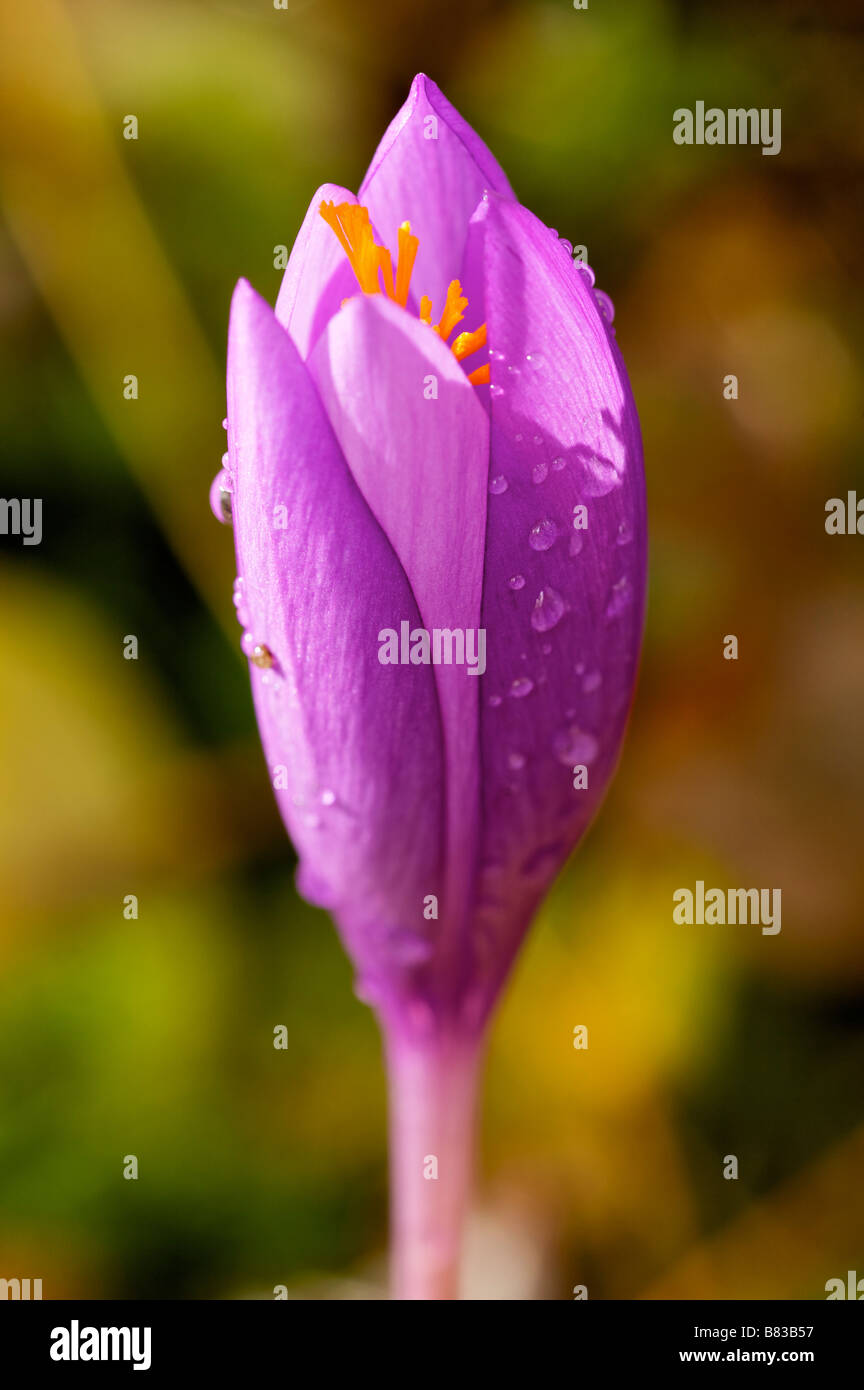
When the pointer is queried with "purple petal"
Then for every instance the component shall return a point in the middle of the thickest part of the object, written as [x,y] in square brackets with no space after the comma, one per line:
[421,463]
[317,277]
[360,741]
[431,169]
[563,606]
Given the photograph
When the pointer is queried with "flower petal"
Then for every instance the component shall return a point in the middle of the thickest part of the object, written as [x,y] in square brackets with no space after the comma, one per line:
[432,169]
[359,742]
[563,606]
[317,277]
[421,462]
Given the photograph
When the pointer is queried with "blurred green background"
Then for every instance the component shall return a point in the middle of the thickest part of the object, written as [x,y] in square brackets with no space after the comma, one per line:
[154,1037]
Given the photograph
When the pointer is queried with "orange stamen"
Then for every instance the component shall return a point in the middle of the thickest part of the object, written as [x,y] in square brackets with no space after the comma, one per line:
[454,310]
[406,256]
[373,266]
[466,343]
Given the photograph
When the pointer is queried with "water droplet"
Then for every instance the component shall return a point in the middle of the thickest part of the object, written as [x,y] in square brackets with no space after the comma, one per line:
[568,245]
[247,644]
[538,439]
[549,608]
[543,535]
[327,797]
[496,355]
[518,438]
[517,581]
[225,424]
[586,272]
[516,371]
[310,820]
[494,701]
[605,305]
[408,947]
[535,359]
[220,496]
[576,543]
[572,745]
[559,464]
[620,598]
[522,686]
[495,390]
[262,656]
[592,682]
[540,472]
[625,533]
[546,649]
[516,761]
[579,667]
[498,484]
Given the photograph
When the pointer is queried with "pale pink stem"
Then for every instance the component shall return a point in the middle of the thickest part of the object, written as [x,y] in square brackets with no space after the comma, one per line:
[433,1094]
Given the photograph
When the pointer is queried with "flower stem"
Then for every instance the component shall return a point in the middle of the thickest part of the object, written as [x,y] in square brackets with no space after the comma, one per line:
[433,1094]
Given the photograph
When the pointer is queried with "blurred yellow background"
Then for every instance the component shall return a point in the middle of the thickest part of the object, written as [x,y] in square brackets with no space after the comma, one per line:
[154,1036]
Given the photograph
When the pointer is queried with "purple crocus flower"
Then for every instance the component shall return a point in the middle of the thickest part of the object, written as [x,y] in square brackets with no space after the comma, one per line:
[388,477]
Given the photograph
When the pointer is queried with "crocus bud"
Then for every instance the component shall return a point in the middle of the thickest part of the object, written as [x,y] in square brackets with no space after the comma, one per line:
[435,479]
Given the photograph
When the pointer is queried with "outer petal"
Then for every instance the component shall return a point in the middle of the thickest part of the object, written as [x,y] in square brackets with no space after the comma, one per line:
[563,607]
[431,169]
[359,742]
[421,462]
[317,277]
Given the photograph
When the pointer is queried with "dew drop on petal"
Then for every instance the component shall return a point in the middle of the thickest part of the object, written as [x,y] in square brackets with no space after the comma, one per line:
[498,484]
[572,745]
[620,598]
[516,761]
[576,543]
[494,701]
[220,496]
[495,390]
[262,656]
[522,686]
[247,644]
[225,423]
[409,948]
[543,535]
[535,359]
[586,272]
[517,581]
[540,472]
[592,682]
[549,608]
[625,533]
[327,797]
[559,464]
[605,305]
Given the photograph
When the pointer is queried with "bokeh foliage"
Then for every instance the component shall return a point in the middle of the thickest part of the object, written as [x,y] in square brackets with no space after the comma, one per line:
[154,1036]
